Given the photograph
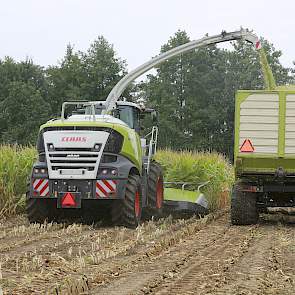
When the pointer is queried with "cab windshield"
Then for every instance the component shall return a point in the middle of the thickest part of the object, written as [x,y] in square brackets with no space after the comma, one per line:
[98,110]
[128,114]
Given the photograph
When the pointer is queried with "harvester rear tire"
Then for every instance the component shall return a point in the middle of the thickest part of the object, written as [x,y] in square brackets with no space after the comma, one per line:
[155,190]
[243,207]
[38,210]
[128,211]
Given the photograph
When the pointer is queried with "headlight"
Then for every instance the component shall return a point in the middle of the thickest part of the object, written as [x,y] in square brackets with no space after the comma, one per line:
[114,172]
[109,171]
[97,147]
[50,147]
[40,171]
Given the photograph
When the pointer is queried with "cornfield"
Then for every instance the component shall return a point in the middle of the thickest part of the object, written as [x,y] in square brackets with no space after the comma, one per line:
[185,166]
[15,166]
[196,168]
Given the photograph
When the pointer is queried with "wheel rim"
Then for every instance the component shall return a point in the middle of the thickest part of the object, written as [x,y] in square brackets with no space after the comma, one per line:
[160,193]
[137,204]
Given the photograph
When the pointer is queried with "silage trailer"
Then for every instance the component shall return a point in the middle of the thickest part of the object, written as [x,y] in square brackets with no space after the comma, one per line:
[264,154]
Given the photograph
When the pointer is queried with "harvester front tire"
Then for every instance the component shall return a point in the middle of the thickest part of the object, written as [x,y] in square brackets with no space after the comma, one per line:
[128,211]
[243,207]
[155,190]
[38,210]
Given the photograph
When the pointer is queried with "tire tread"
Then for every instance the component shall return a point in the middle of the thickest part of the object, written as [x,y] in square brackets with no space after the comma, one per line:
[243,207]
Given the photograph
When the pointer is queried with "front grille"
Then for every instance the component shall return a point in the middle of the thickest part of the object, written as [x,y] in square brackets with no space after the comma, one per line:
[67,158]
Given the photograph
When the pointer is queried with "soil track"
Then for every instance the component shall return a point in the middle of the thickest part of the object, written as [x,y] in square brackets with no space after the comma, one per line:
[194,256]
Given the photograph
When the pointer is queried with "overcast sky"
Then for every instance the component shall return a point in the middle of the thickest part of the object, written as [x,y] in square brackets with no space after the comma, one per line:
[41,29]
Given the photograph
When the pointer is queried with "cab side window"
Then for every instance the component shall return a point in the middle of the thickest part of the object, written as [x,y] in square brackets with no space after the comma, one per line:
[136,120]
[130,116]
[126,115]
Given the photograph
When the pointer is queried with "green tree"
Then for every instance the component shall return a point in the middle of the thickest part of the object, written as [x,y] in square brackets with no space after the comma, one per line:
[186,91]
[65,80]
[24,111]
[166,92]
[85,76]
[23,95]
[102,68]
[194,92]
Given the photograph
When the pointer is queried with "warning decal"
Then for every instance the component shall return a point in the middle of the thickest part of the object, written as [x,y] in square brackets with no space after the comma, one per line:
[247,146]
[68,200]
[105,187]
[41,186]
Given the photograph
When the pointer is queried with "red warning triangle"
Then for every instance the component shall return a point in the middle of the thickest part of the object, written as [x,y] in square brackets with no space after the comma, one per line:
[68,200]
[247,146]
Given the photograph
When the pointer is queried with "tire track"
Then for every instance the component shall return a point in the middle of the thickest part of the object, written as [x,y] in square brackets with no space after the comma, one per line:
[144,279]
[196,256]
[259,270]
[62,268]
[256,267]
[36,234]
[279,276]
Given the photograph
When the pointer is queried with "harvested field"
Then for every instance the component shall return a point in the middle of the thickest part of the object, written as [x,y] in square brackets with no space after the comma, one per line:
[193,256]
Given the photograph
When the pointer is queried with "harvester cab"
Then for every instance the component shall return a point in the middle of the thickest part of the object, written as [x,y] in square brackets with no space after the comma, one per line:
[128,113]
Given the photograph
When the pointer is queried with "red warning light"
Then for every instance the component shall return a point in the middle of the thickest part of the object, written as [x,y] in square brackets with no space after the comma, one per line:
[68,200]
[247,146]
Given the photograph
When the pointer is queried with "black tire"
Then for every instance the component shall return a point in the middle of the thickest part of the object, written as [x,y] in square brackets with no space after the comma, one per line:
[243,207]
[128,212]
[38,210]
[155,190]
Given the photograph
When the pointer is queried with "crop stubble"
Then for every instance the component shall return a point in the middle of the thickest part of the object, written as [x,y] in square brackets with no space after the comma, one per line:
[195,256]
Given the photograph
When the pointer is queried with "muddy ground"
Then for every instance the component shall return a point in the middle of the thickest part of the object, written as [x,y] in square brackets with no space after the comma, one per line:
[194,256]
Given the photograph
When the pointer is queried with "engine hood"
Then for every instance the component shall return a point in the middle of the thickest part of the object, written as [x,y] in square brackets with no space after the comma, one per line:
[131,147]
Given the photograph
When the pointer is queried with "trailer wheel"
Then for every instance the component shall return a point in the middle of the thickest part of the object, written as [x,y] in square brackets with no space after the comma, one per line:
[38,210]
[128,211]
[155,190]
[243,207]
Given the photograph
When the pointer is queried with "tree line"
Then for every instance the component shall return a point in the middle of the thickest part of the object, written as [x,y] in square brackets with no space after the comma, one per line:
[193,93]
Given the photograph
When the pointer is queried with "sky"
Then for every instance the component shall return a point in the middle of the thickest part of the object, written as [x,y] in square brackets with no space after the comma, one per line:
[41,29]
